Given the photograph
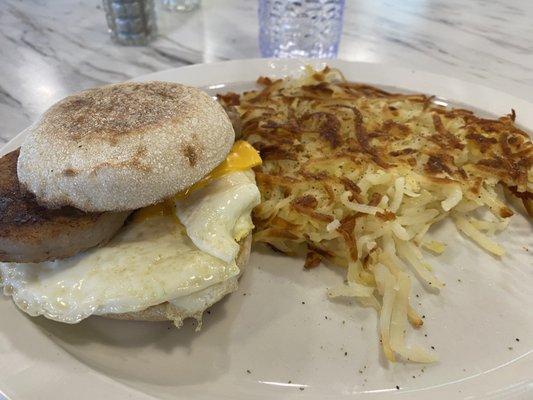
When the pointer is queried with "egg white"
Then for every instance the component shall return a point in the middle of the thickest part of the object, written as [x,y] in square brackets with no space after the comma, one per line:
[217,215]
[194,304]
[149,262]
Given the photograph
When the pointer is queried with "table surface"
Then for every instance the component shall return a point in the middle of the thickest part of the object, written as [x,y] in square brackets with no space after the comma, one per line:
[49,49]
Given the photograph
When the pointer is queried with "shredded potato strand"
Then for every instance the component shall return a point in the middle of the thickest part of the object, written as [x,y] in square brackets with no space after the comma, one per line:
[469,230]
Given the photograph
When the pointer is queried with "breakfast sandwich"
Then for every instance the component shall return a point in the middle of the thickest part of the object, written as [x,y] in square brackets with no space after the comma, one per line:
[130,201]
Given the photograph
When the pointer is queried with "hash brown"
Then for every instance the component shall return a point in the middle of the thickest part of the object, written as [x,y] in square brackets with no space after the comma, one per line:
[356,175]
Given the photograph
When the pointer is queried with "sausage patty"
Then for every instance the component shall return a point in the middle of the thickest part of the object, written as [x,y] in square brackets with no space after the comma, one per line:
[30,232]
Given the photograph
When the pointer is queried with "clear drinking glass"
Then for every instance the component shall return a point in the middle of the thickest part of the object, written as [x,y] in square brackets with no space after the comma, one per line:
[181,5]
[300,28]
[131,22]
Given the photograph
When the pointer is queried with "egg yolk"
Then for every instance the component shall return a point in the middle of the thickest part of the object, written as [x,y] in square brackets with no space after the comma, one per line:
[242,156]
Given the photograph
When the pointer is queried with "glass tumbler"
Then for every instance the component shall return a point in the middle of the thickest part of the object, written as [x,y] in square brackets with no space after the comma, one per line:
[300,28]
[131,22]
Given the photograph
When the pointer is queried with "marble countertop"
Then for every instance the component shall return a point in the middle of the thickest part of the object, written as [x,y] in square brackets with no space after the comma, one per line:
[50,49]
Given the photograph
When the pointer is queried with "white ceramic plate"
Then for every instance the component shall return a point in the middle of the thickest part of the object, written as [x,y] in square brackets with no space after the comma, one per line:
[263,342]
